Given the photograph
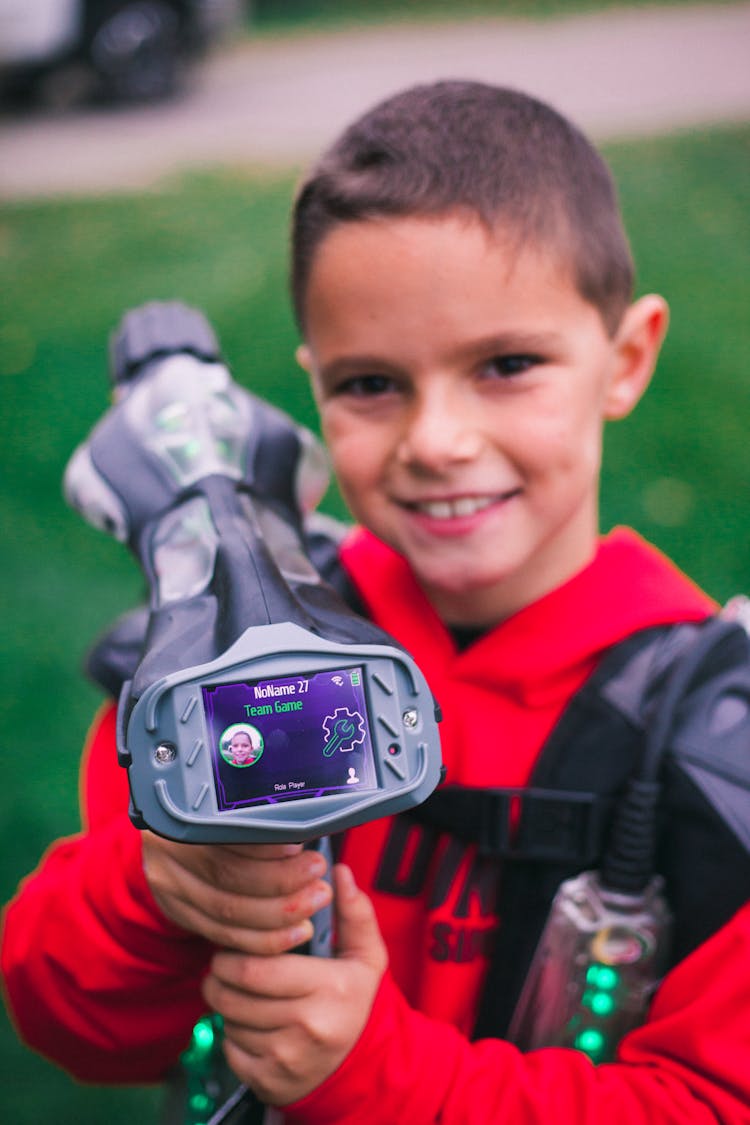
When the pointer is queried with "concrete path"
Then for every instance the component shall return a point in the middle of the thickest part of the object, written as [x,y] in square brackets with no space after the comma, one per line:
[619,73]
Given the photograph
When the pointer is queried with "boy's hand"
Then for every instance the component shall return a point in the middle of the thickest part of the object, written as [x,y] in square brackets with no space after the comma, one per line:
[255,898]
[289,1021]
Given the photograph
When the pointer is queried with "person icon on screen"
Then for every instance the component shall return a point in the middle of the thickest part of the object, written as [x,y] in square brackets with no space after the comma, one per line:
[352,779]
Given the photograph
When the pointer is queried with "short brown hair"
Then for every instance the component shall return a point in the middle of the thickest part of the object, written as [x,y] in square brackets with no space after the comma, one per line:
[498,153]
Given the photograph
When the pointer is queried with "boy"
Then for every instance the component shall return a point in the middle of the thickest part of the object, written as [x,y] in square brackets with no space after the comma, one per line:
[463,288]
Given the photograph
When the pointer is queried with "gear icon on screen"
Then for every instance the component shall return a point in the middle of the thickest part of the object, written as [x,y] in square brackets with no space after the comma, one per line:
[344,730]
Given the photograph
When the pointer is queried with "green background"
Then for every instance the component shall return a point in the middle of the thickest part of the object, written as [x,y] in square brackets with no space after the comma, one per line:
[678,470]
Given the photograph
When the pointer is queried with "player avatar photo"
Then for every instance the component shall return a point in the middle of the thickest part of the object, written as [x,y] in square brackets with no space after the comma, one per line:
[241,745]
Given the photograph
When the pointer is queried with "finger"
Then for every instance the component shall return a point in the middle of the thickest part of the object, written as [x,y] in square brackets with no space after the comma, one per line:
[256,926]
[283,977]
[245,1010]
[272,1079]
[250,1068]
[248,910]
[174,883]
[259,926]
[263,851]
[257,1042]
[357,932]
[245,939]
[264,871]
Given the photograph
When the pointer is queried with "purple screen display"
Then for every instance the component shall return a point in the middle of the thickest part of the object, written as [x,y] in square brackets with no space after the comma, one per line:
[289,738]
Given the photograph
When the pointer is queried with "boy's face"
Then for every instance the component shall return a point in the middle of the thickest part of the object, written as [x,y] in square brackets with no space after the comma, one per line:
[462,388]
[241,747]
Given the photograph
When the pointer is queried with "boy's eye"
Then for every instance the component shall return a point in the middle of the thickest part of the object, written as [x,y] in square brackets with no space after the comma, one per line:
[365,386]
[508,365]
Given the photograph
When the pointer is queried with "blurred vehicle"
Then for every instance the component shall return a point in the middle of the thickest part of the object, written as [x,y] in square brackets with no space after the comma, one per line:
[122,50]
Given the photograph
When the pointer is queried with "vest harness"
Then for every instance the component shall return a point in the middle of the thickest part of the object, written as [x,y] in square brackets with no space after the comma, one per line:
[563,822]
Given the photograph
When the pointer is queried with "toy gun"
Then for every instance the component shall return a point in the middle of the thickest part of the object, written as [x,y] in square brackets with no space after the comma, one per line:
[262,708]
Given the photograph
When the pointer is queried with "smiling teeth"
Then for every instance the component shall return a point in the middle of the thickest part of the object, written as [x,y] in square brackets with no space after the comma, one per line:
[452,509]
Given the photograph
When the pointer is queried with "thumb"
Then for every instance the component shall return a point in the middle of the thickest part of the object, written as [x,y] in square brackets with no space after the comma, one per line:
[357,931]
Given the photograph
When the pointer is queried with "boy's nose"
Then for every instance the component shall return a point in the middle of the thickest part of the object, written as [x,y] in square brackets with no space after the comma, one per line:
[441,430]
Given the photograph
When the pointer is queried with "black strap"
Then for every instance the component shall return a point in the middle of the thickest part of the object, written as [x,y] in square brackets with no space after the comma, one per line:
[558,818]
[599,744]
[558,825]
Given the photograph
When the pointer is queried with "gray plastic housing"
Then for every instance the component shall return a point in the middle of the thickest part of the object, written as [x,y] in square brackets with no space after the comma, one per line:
[177,797]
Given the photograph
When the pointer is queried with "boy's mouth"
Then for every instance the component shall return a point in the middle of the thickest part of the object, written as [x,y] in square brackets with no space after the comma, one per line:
[459,507]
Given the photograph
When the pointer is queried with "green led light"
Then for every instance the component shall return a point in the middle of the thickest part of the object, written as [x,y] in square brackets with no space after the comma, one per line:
[200,1062]
[590,1041]
[602,976]
[200,1102]
[600,1003]
[203,1036]
[201,1106]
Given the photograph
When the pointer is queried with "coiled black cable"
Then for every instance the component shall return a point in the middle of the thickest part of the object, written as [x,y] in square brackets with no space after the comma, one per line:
[628,864]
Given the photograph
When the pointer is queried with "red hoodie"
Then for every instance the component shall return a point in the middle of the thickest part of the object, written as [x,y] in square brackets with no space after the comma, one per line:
[101,982]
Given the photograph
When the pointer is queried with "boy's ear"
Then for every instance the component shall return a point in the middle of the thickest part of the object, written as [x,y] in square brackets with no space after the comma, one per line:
[304,358]
[636,349]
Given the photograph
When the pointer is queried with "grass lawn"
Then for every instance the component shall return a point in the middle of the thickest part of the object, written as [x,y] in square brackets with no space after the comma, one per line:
[679,471]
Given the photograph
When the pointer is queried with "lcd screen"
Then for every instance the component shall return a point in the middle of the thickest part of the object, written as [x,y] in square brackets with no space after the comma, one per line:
[290,737]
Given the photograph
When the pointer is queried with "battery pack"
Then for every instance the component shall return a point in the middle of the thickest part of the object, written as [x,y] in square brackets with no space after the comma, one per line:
[598,963]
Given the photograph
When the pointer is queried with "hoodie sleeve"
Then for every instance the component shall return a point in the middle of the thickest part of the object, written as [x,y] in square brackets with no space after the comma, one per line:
[96,978]
[688,1065]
